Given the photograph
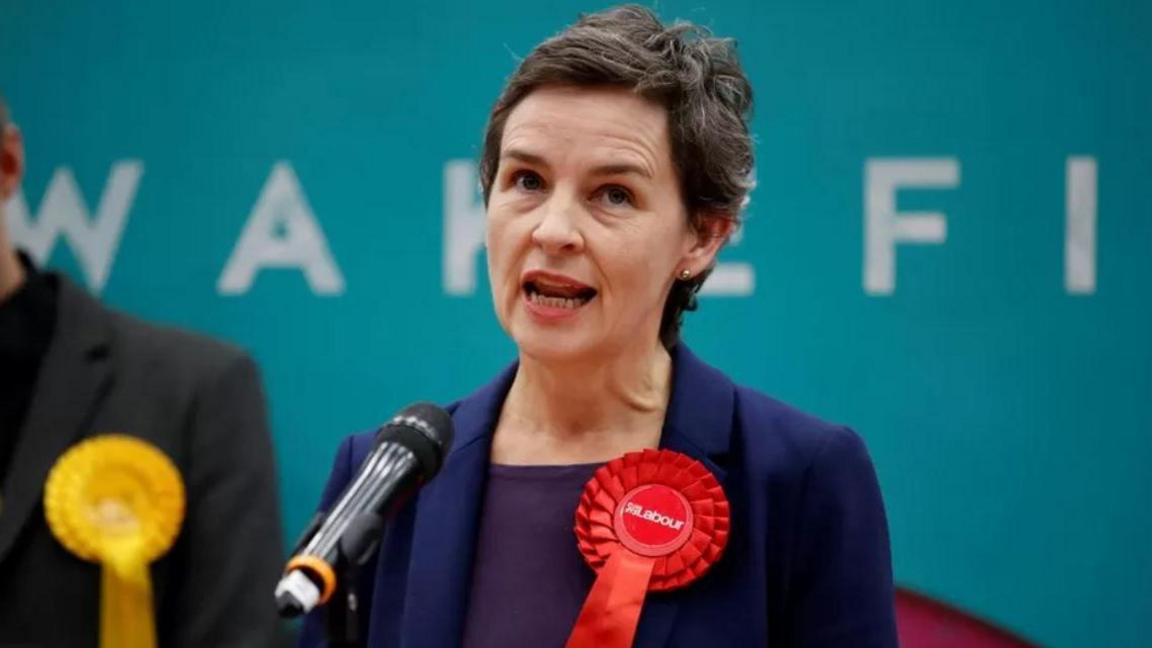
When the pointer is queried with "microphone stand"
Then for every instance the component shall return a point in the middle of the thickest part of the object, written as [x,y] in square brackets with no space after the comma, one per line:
[343,609]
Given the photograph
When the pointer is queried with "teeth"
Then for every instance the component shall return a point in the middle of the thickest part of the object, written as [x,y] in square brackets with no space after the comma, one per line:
[556,302]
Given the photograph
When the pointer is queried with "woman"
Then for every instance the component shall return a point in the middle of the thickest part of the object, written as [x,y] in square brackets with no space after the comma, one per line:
[615,165]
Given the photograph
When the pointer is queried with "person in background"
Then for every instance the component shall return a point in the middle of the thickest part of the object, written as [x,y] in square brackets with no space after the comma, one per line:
[615,164]
[70,368]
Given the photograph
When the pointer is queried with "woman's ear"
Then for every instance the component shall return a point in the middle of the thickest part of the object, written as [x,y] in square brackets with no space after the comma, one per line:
[712,230]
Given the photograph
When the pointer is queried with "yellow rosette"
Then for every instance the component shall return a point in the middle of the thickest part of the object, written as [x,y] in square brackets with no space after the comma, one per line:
[118,501]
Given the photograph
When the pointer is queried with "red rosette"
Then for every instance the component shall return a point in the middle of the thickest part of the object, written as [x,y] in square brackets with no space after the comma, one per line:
[596,517]
[653,520]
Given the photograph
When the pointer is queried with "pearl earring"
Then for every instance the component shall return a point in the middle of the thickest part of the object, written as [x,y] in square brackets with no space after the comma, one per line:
[685,274]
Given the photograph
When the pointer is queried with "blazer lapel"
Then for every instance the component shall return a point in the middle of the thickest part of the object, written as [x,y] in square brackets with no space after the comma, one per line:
[699,419]
[74,375]
[447,520]
[698,424]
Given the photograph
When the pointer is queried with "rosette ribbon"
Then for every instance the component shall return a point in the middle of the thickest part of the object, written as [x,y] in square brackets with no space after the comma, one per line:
[653,520]
[118,501]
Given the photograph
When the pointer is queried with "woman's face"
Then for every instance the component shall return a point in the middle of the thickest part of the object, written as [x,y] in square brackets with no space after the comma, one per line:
[586,226]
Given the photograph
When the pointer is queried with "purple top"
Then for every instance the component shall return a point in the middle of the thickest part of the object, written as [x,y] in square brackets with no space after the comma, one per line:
[528,578]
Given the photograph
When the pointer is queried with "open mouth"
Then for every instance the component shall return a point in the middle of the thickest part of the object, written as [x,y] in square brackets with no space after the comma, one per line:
[557,294]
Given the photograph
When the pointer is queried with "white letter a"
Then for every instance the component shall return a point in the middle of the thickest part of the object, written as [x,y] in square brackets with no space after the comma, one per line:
[299,243]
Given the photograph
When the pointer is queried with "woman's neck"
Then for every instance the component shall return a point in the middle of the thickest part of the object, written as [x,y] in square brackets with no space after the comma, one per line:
[584,412]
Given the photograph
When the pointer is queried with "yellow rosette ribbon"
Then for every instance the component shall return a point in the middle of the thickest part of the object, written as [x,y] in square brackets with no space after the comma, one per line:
[118,501]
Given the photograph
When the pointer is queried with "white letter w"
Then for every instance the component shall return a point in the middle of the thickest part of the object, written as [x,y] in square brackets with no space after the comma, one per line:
[63,212]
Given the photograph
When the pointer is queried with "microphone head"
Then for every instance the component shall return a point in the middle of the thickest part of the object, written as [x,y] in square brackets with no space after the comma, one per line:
[424,428]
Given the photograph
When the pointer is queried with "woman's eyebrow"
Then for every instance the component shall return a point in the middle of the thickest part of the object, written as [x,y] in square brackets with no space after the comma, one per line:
[606,169]
[525,157]
[622,168]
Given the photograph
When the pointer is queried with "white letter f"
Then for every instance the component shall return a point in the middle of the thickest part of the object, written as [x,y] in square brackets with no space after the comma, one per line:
[884,226]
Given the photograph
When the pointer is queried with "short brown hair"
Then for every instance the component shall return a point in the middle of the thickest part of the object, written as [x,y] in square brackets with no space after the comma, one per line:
[696,77]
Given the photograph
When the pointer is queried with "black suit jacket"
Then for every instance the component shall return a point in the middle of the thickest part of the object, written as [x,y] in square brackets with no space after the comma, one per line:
[200,402]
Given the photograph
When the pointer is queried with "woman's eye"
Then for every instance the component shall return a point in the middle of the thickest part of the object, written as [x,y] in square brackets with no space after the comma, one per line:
[615,196]
[528,181]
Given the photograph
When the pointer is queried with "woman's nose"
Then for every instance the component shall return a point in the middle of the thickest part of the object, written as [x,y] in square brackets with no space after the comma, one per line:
[558,232]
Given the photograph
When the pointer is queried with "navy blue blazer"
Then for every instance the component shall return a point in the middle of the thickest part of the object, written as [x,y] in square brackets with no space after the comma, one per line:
[807,563]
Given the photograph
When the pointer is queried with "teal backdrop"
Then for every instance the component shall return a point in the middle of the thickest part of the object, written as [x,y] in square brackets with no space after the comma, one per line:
[1005,393]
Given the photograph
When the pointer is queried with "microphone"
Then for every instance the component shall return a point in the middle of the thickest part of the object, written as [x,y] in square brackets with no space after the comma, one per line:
[409,451]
